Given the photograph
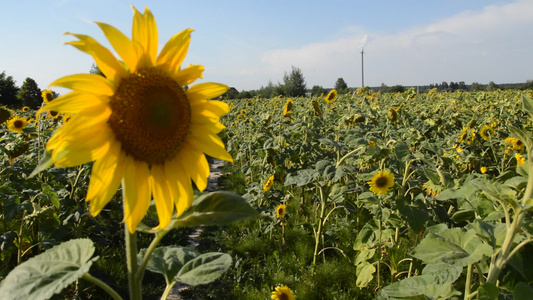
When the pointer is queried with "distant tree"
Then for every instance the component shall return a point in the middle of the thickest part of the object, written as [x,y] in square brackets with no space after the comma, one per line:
[396,89]
[453,86]
[317,90]
[383,88]
[232,93]
[462,86]
[527,85]
[8,90]
[492,86]
[341,86]
[444,86]
[476,86]
[95,70]
[30,94]
[294,83]
[244,95]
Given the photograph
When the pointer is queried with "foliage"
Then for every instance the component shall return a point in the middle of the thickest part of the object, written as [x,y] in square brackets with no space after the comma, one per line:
[30,94]
[341,86]
[294,83]
[8,91]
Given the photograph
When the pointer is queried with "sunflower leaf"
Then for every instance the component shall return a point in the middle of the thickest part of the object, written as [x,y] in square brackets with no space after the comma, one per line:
[45,163]
[46,274]
[205,268]
[168,260]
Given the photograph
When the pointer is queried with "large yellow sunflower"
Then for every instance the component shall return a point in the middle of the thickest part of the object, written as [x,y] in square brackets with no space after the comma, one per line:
[381,182]
[138,123]
[17,124]
[282,292]
[331,96]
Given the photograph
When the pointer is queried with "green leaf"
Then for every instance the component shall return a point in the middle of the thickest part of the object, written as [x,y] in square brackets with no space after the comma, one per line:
[364,255]
[204,269]
[527,104]
[443,272]
[365,274]
[418,287]
[453,246]
[45,163]
[402,151]
[46,274]
[301,177]
[49,194]
[416,217]
[218,208]
[168,260]
[488,291]
[523,291]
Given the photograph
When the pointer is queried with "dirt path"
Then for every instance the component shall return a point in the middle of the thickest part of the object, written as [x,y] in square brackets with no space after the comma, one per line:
[215,173]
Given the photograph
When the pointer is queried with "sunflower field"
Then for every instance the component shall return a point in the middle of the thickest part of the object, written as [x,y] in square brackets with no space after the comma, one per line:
[389,196]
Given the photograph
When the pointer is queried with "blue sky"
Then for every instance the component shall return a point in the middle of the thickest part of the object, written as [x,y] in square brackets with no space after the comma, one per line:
[246,44]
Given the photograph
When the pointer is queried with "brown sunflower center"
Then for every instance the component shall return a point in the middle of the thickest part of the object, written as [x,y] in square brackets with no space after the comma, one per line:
[151,116]
[18,124]
[283,296]
[382,181]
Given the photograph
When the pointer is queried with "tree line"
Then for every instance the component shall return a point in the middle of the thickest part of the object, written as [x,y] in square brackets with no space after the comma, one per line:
[29,93]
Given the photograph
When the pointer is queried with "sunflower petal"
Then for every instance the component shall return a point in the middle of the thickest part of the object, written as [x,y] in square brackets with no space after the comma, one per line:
[209,144]
[180,185]
[105,60]
[208,90]
[174,51]
[87,83]
[122,44]
[211,109]
[72,103]
[144,32]
[106,175]
[189,74]
[136,191]
[195,165]
[87,147]
[162,196]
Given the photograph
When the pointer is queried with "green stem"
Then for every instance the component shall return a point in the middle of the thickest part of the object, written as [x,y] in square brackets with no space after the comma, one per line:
[320,225]
[155,242]
[468,280]
[168,289]
[131,259]
[102,285]
[347,155]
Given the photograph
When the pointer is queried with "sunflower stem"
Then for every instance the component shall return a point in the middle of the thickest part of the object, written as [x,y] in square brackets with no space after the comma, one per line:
[131,259]
[102,285]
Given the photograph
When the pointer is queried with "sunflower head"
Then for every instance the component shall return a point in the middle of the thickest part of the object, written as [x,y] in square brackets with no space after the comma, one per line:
[486,132]
[287,108]
[393,115]
[268,183]
[25,109]
[381,182]
[281,210]
[331,96]
[282,292]
[139,123]
[47,96]
[17,124]
[520,160]
[243,111]
[316,108]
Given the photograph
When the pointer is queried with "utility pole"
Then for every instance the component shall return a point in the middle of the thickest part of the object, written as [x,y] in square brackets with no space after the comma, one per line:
[362,68]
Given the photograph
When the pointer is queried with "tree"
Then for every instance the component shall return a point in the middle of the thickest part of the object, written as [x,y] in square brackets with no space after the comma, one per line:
[30,94]
[396,89]
[492,86]
[476,86]
[383,88]
[8,90]
[294,84]
[317,90]
[341,86]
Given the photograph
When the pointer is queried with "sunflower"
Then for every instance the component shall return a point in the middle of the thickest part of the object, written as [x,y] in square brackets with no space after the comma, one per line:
[47,96]
[138,123]
[283,292]
[25,109]
[483,170]
[243,111]
[316,108]
[486,132]
[268,184]
[287,108]
[520,160]
[331,96]
[516,144]
[381,182]
[16,124]
[281,210]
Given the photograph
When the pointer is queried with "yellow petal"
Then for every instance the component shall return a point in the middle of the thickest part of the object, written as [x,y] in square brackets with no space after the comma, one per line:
[174,51]
[122,44]
[211,109]
[87,83]
[144,32]
[180,185]
[105,60]
[208,90]
[209,123]
[189,75]
[106,175]
[196,166]
[208,143]
[72,103]
[87,147]
[137,192]
[162,196]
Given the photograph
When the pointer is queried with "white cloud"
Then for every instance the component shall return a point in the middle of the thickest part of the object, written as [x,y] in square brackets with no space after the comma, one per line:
[495,44]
